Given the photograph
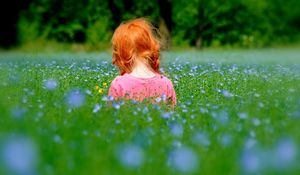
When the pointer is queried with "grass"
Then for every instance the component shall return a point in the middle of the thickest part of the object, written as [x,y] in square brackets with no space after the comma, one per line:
[238,112]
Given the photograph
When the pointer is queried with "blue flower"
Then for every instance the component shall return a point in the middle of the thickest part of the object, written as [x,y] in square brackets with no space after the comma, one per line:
[50,84]
[75,98]
[130,155]
[20,155]
[184,160]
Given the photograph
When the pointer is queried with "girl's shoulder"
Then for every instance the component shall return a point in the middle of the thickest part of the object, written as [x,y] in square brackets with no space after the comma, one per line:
[117,81]
[127,78]
[120,79]
[165,78]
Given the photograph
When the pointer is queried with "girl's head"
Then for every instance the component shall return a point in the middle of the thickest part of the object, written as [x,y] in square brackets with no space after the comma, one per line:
[132,40]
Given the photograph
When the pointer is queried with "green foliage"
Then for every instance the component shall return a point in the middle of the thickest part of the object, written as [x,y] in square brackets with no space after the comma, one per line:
[185,15]
[246,23]
[27,31]
[98,32]
[125,10]
[200,23]
[141,8]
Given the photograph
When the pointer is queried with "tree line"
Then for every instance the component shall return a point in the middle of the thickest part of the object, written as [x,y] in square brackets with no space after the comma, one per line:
[182,23]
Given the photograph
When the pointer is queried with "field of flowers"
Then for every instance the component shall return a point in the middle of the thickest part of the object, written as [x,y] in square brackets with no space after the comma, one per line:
[238,112]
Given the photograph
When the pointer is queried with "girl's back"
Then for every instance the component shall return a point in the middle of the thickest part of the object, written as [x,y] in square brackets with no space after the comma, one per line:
[158,88]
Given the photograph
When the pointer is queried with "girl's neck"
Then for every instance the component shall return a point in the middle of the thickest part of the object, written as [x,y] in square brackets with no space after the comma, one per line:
[142,69]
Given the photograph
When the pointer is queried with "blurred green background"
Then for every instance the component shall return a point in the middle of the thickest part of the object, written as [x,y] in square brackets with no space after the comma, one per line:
[87,25]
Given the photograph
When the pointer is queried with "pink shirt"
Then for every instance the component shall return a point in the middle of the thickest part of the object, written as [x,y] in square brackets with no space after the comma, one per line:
[158,87]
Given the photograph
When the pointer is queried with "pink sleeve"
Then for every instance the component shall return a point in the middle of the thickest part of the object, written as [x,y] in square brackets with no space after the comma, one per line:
[172,94]
[115,89]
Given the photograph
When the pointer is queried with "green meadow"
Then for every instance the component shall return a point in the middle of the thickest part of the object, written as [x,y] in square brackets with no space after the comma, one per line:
[238,112]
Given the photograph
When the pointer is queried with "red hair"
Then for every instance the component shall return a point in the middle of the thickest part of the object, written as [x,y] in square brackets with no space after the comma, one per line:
[135,39]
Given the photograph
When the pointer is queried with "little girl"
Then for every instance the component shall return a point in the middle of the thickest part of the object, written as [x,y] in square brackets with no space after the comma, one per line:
[136,52]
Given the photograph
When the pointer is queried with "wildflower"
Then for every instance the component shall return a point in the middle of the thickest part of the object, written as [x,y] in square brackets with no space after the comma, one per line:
[176,144]
[227,94]
[110,98]
[166,115]
[184,160]
[18,112]
[75,98]
[100,90]
[145,110]
[85,132]
[116,105]
[130,155]
[201,138]
[20,155]
[158,99]
[104,84]
[164,97]
[242,115]
[251,161]
[225,139]
[107,98]
[88,92]
[250,143]
[96,87]
[256,121]
[57,139]
[285,153]
[97,107]
[117,121]
[50,84]
[176,129]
